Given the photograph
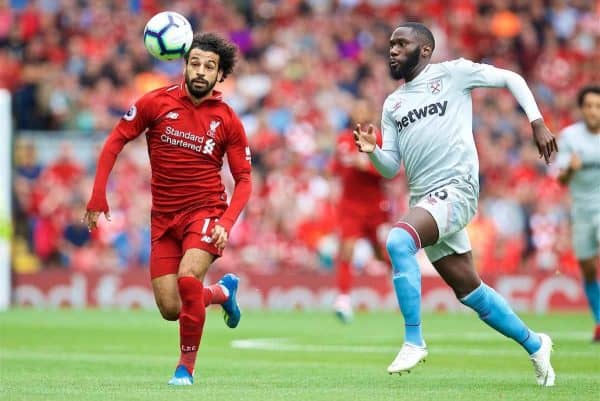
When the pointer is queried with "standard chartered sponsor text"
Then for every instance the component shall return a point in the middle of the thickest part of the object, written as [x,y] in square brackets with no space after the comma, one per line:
[180,138]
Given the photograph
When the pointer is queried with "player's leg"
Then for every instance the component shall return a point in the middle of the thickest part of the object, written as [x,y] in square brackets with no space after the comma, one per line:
[458,271]
[591,287]
[343,279]
[416,229]
[350,226]
[166,295]
[224,292]
[164,267]
[165,256]
[586,244]
[192,269]
[215,294]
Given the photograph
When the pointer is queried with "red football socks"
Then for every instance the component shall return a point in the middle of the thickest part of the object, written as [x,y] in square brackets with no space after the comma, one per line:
[344,277]
[191,319]
[214,294]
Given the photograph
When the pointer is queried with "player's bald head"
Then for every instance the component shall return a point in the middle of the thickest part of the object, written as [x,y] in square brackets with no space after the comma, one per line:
[422,34]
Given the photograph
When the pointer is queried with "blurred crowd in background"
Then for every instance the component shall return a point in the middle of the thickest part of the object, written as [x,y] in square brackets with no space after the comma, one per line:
[75,66]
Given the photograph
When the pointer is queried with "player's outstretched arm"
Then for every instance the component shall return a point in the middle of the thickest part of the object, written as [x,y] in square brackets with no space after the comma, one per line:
[385,161]
[133,123]
[98,203]
[239,157]
[475,75]
[543,138]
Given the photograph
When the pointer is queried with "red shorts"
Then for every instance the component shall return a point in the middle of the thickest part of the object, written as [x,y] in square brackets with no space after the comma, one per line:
[354,223]
[175,233]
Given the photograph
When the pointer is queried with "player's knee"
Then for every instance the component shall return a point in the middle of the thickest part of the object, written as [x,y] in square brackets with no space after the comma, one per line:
[400,243]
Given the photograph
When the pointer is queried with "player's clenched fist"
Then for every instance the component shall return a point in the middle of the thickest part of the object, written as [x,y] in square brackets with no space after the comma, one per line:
[365,140]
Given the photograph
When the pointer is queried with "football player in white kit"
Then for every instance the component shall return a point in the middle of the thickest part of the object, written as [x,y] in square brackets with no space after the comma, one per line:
[427,125]
[579,164]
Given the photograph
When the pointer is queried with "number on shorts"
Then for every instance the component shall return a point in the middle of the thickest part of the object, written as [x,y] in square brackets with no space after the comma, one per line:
[442,194]
[205,226]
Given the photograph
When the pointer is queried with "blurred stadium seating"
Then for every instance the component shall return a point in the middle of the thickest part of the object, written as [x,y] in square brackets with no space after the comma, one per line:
[74,66]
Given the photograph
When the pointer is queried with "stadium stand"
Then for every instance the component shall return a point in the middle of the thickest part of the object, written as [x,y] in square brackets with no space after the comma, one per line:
[73,67]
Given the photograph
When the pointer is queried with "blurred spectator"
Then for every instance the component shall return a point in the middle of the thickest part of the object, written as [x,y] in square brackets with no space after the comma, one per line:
[77,65]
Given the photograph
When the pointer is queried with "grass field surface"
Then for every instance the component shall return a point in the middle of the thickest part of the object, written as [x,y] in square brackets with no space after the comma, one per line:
[130,355]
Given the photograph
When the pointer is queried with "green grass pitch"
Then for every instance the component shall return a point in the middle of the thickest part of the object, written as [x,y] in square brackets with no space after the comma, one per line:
[130,355]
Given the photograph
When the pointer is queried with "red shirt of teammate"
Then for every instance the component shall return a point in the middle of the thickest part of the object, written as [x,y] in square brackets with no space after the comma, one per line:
[362,209]
[362,206]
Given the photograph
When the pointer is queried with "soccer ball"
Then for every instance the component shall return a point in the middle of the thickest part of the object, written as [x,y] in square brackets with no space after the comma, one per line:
[168,35]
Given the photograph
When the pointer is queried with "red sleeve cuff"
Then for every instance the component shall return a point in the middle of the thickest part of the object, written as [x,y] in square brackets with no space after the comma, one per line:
[226,223]
[98,203]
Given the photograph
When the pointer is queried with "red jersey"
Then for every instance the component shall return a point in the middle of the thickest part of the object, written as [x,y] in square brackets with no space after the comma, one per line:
[361,188]
[186,145]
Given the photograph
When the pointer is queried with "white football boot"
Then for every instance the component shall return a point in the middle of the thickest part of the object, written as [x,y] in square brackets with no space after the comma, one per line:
[409,356]
[544,373]
[343,308]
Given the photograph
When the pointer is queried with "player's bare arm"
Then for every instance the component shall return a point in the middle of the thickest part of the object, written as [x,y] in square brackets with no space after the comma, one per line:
[544,140]
[366,141]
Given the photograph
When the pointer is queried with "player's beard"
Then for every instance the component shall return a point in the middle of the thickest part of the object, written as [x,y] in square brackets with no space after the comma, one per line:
[400,72]
[199,93]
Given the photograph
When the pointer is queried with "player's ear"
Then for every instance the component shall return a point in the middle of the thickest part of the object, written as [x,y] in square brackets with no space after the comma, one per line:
[426,51]
[220,76]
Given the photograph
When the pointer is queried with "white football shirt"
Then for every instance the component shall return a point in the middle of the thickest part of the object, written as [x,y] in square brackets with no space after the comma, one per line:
[427,123]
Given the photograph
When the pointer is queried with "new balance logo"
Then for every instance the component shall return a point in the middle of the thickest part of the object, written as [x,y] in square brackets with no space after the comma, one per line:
[189,348]
[422,112]
[172,115]
[206,239]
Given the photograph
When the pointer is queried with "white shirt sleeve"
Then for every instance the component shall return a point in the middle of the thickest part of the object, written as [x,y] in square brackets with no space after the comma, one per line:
[475,75]
[387,158]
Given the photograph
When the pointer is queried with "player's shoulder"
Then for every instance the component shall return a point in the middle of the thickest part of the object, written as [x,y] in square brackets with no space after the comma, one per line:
[572,130]
[227,111]
[459,64]
[170,90]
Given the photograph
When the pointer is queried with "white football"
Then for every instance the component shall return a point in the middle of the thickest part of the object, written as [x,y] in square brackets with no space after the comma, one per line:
[168,35]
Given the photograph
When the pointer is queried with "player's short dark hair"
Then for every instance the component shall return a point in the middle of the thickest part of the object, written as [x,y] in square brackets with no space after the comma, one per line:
[212,42]
[583,92]
[423,33]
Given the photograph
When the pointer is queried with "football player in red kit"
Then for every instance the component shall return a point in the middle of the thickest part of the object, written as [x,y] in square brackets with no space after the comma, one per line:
[362,208]
[189,129]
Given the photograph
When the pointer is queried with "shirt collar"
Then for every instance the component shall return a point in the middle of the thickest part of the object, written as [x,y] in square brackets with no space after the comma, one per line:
[420,76]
